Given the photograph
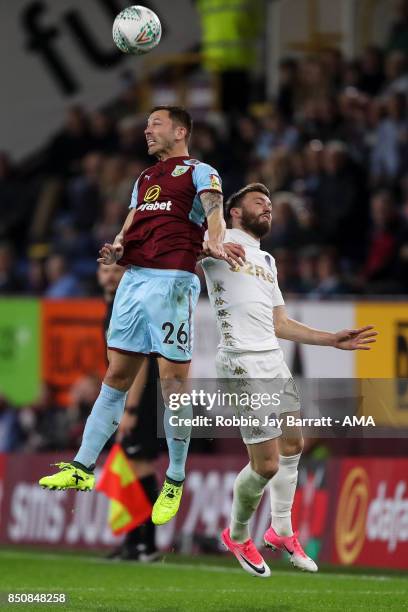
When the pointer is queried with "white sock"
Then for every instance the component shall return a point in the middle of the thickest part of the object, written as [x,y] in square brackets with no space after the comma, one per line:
[282,489]
[248,489]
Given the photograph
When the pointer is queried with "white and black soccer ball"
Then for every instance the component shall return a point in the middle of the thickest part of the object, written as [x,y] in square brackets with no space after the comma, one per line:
[136,30]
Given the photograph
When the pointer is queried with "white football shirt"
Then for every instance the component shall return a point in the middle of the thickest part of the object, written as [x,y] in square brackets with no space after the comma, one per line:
[243,296]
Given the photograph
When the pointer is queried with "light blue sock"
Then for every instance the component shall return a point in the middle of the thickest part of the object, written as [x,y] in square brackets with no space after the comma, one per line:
[178,440]
[101,424]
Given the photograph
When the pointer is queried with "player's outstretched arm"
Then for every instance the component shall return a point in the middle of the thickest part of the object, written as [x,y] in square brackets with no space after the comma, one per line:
[111,253]
[346,339]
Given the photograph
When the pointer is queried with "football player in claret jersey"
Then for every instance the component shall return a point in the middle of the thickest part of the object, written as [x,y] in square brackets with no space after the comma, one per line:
[251,316]
[172,202]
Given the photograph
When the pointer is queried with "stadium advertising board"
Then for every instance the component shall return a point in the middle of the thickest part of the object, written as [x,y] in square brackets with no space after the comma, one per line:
[371,523]
[388,403]
[34,516]
[31,515]
[19,349]
[61,340]
[347,512]
[72,342]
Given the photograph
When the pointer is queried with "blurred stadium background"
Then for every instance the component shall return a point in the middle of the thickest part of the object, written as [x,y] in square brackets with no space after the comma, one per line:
[307,96]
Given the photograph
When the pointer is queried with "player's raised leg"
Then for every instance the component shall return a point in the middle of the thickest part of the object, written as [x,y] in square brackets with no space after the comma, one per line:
[101,424]
[248,490]
[173,377]
[280,535]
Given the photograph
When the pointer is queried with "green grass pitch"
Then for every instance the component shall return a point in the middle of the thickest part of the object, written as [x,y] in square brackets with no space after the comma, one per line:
[192,584]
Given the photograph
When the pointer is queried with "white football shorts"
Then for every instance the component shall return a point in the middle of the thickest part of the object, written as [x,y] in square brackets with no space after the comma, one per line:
[265,378]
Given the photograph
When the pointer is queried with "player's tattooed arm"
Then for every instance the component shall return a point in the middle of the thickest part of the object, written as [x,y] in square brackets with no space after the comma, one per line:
[213,247]
[213,208]
[211,202]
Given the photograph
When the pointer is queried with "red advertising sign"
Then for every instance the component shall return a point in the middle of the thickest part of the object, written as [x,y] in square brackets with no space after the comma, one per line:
[371,523]
[32,515]
[72,342]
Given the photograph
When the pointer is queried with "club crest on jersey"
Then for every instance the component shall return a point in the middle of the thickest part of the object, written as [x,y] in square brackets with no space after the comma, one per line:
[179,170]
[215,182]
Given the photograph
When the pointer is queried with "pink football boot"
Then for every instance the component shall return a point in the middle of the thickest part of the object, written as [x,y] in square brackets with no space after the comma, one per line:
[248,557]
[291,544]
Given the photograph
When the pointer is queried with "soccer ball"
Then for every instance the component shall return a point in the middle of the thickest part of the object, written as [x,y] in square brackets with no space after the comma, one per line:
[136,30]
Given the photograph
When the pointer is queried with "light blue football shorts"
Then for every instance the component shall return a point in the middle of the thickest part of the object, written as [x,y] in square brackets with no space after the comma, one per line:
[153,313]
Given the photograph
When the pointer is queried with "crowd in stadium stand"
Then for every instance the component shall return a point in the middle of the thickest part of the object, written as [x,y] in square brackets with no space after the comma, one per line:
[332,147]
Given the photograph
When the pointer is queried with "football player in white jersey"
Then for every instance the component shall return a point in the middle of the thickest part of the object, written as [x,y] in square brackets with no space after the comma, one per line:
[251,316]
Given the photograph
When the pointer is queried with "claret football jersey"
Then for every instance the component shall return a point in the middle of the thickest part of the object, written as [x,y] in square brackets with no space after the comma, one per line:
[243,297]
[169,221]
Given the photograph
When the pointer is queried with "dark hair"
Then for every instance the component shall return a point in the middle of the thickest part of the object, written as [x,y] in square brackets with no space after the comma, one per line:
[234,201]
[179,115]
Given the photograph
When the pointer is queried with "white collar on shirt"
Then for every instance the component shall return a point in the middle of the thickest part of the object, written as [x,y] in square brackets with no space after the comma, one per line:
[243,238]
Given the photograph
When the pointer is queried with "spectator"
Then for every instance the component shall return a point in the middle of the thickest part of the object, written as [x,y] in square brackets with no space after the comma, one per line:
[83,194]
[287,88]
[275,134]
[44,423]
[285,228]
[322,120]
[313,156]
[13,200]
[329,281]
[398,37]
[352,76]
[72,244]
[354,107]
[243,138]
[9,281]
[313,81]
[307,270]
[396,72]
[35,276]
[391,144]
[132,142]
[275,172]
[110,223]
[339,200]
[207,147]
[69,146]
[309,233]
[60,282]
[103,134]
[401,268]
[372,71]
[10,430]
[333,63]
[382,241]
[288,278]
[115,183]
[229,34]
